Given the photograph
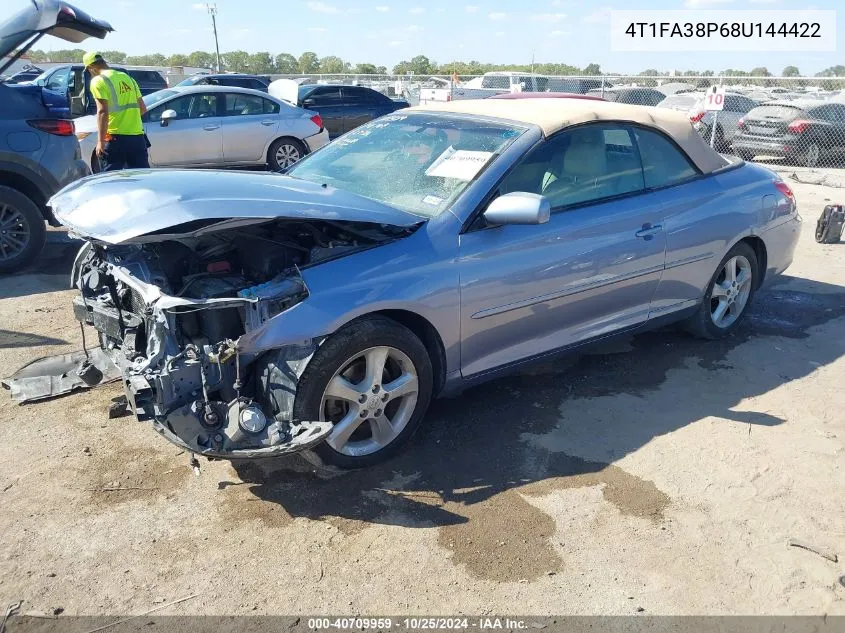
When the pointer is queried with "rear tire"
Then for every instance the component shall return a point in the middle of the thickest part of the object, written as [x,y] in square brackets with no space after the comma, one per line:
[714,318]
[284,153]
[22,230]
[403,385]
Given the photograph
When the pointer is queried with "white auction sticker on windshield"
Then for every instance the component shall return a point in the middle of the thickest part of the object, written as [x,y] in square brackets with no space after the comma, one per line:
[459,164]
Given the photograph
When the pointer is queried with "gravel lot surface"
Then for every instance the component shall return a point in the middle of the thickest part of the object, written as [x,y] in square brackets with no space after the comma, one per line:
[658,475]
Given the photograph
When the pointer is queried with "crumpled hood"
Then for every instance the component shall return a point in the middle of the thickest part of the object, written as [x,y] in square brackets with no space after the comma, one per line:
[118,206]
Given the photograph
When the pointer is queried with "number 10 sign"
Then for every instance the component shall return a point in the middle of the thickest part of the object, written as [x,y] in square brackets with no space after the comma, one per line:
[715,98]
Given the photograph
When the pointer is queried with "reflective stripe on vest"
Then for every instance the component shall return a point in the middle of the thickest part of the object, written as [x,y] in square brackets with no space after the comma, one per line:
[117,107]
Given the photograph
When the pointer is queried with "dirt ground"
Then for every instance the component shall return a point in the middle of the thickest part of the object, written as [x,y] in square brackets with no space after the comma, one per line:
[660,475]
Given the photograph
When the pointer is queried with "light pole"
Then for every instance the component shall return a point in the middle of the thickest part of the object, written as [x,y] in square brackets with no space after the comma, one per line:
[212,11]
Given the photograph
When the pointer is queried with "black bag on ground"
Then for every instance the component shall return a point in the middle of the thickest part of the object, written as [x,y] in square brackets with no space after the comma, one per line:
[829,226]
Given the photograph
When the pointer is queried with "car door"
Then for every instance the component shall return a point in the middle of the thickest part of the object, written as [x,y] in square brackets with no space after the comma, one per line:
[832,128]
[693,220]
[250,123]
[54,94]
[359,107]
[591,270]
[193,138]
[327,102]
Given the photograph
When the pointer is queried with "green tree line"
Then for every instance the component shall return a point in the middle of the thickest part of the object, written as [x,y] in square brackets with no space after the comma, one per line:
[265,63]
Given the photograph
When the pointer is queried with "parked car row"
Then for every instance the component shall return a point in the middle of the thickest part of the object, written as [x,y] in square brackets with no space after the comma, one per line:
[219,126]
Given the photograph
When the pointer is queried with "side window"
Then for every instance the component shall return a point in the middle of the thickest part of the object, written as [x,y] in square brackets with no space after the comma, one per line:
[187,107]
[271,107]
[255,84]
[663,163]
[58,81]
[355,95]
[243,105]
[735,103]
[325,96]
[580,165]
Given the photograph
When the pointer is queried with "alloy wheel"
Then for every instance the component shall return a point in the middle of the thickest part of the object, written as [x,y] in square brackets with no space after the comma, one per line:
[731,291]
[14,232]
[287,155]
[370,399]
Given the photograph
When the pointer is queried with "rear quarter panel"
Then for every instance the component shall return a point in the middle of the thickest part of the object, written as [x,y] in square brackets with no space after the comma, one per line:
[705,218]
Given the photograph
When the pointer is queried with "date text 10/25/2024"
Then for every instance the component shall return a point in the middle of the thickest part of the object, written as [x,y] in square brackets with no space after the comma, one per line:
[416,623]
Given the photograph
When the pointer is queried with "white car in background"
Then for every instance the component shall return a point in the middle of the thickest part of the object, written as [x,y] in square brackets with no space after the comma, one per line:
[219,126]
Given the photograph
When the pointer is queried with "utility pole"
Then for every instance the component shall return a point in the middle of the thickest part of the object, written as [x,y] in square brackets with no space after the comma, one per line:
[212,11]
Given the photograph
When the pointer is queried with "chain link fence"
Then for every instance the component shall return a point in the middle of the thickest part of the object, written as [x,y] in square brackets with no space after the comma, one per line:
[795,121]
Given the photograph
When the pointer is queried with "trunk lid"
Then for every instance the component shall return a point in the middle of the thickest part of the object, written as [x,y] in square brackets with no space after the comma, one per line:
[771,120]
[285,89]
[118,207]
[47,17]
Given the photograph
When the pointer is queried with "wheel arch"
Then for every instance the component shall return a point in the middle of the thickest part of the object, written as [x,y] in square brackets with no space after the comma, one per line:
[281,137]
[27,185]
[759,247]
[428,334]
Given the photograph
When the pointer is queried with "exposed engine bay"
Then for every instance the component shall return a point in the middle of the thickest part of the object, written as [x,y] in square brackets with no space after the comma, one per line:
[170,307]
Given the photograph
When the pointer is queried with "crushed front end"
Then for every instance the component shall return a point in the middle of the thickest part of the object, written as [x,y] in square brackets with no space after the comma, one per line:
[170,312]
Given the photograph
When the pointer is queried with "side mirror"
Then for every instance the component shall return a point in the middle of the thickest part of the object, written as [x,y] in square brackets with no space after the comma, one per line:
[308,103]
[518,208]
[167,116]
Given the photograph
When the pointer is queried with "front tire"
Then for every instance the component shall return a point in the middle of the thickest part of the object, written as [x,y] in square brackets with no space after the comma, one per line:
[372,378]
[22,230]
[729,295]
[285,153]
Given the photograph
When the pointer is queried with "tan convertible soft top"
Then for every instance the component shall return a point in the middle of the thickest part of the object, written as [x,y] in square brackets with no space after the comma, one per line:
[552,115]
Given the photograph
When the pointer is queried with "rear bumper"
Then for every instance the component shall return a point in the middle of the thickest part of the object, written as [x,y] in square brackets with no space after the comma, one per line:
[317,141]
[780,148]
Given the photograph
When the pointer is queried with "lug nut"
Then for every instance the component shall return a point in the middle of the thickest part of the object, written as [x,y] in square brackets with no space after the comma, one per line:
[362,399]
[385,397]
[376,388]
[378,412]
[364,413]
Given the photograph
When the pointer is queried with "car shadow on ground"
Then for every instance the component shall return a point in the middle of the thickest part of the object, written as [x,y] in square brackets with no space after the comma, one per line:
[49,273]
[476,446]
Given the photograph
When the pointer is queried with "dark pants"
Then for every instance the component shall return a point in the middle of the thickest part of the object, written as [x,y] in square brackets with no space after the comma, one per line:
[125,152]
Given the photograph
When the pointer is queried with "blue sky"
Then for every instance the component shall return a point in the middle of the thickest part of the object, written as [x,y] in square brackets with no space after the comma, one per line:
[386,31]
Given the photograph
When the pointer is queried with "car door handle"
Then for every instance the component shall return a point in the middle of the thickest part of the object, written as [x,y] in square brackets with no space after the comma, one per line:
[648,230]
[268,123]
[211,126]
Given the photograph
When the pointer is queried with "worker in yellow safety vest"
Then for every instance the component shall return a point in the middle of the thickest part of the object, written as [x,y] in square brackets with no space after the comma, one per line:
[121,142]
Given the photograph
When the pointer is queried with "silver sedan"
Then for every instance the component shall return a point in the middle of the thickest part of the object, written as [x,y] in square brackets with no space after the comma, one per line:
[219,126]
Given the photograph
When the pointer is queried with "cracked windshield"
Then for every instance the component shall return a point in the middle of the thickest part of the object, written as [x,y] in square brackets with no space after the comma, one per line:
[416,163]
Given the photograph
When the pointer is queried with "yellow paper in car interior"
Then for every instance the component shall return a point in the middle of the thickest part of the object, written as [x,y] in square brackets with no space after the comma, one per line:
[459,164]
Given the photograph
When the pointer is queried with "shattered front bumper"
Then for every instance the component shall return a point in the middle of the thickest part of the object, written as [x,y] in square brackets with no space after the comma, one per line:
[198,396]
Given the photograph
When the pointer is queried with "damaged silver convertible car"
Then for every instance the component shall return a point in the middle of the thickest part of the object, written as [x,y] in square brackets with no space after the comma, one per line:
[257,314]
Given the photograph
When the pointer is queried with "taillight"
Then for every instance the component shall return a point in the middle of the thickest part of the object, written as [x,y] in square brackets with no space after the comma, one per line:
[784,189]
[799,126]
[740,125]
[59,127]
[695,118]
[318,121]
